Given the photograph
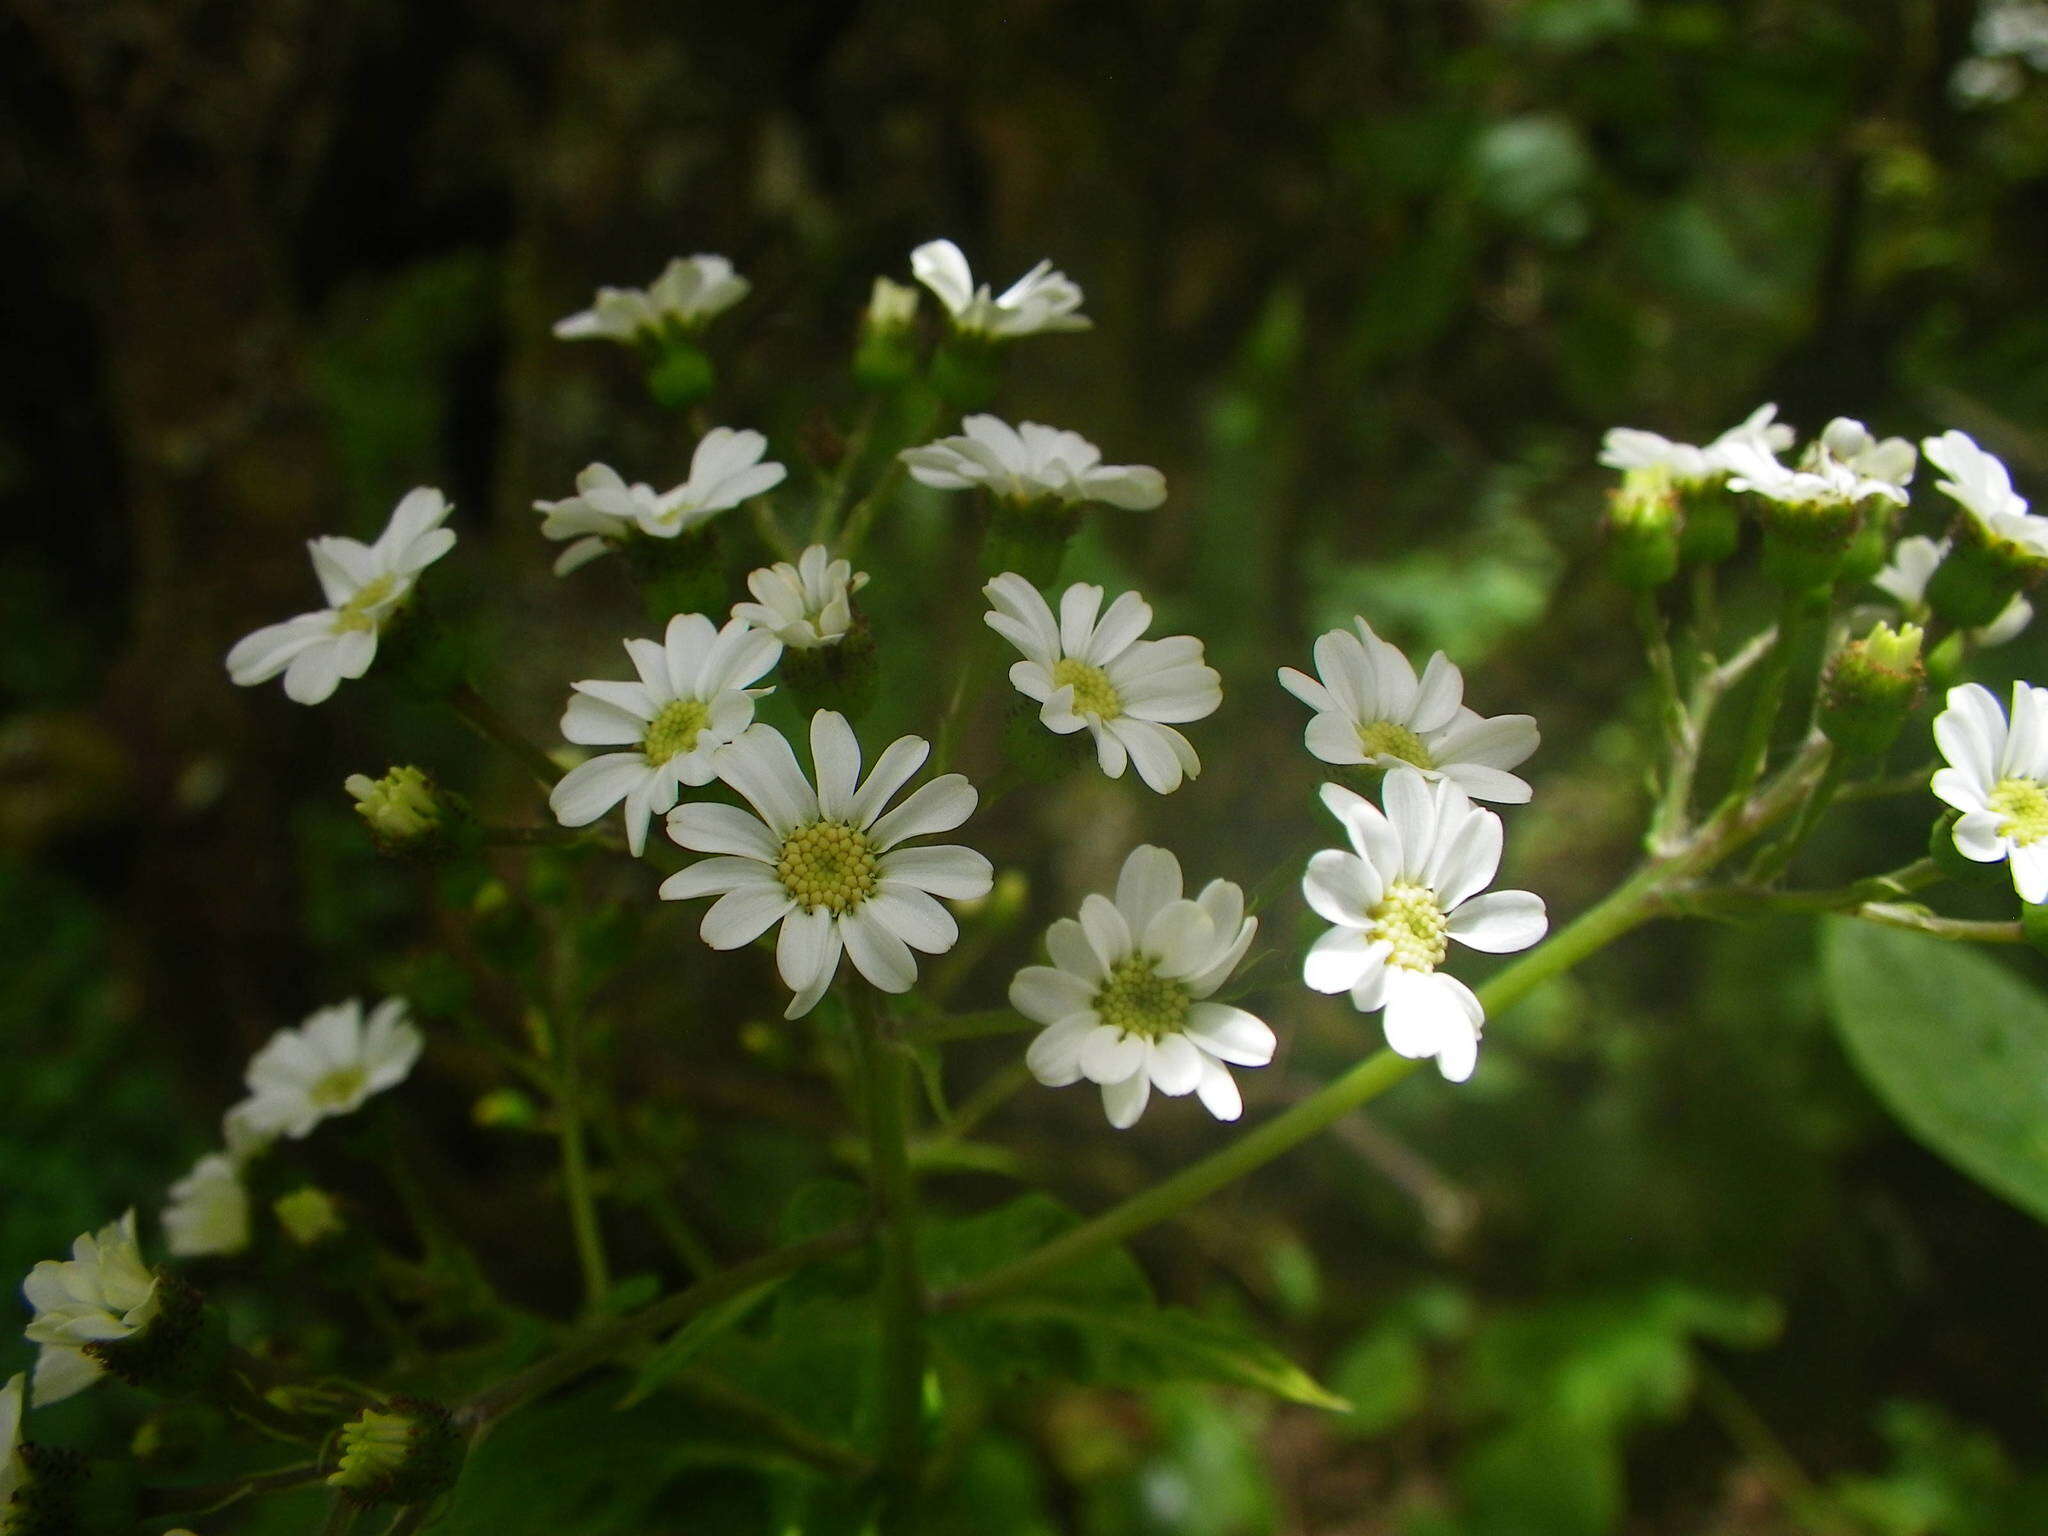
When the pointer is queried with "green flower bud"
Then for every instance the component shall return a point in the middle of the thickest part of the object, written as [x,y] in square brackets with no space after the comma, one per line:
[180,1351]
[680,374]
[1870,686]
[405,1451]
[309,1216]
[1643,520]
[403,810]
[887,354]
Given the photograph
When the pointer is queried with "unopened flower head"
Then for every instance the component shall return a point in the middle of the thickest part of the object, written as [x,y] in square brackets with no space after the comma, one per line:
[1127,1002]
[1997,777]
[1408,886]
[1032,465]
[1869,686]
[102,1293]
[308,1216]
[1371,709]
[1976,481]
[726,469]
[690,292]
[1090,670]
[1043,299]
[365,585]
[405,1451]
[208,1213]
[326,1067]
[400,809]
[827,862]
[692,697]
[1914,561]
[892,307]
[806,605]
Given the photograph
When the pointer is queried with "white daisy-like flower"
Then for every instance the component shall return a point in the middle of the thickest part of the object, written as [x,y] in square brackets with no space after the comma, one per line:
[1095,674]
[1912,565]
[1372,709]
[208,1213]
[1126,1001]
[102,1293]
[806,605]
[1029,464]
[1979,484]
[690,292]
[726,470]
[1820,480]
[1043,299]
[692,698]
[1847,441]
[1997,776]
[1408,887]
[826,862]
[12,1472]
[328,1066]
[1627,448]
[365,585]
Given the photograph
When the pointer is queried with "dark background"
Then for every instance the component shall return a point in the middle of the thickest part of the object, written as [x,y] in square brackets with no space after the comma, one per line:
[1369,282]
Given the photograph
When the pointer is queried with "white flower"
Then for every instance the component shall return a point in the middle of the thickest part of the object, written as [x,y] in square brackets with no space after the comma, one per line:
[806,605]
[326,1067]
[209,1210]
[1978,482]
[365,585]
[725,470]
[1628,448]
[1821,480]
[12,1472]
[687,295]
[1043,299]
[1409,886]
[1912,565]
[692,698]
[102,1293]
[1097,674]
[1847,441]
[1371,708]
[825,862]
[1998,778]
[1030,463]
[1125,1002]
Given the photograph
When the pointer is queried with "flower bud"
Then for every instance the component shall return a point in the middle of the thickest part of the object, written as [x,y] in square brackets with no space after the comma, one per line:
[309,1216]
[1870,686]
[887,353]
[1643,519]
[680,374]
[405,1451]
[403,810]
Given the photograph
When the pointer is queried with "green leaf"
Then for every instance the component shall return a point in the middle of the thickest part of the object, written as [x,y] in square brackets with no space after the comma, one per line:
[1955,1044]
[1385,1377]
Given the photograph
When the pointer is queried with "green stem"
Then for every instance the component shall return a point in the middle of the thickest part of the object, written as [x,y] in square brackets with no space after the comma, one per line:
[1770,699]
[649,1190]
[602,1342]
[1778,856]
[1962,930]
[1671,714]
[800,1441]
[885,1080]
[576,1183]
[483,717]
[1757,1440]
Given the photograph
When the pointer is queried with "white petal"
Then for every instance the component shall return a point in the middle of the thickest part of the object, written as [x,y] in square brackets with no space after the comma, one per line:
[1046,995]
[939,806]
[1182,938]
[761,766]
[915,918]
[1336,961]
[1500,922]
[714,877]
[835,755]
[707,827]
[1054,1056]
[1125,1101]
[1149,879]
[1218,1091]
[893,769]
[588,790]
[806,945]
[1174,1065]
[1109,1055]
[945,869]
[1068,944]
[1230,1034]
[876,952]
[1342,888]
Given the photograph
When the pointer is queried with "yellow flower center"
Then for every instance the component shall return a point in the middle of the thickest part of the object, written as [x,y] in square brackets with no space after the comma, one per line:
[1094,693]
[675,730]
[359,611]
[1139,1001]
[1385,738]
[1408,918]
[827,864]
[2024,805]
[341,1086]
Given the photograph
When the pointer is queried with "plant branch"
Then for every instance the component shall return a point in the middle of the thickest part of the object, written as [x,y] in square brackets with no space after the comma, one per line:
[484,718]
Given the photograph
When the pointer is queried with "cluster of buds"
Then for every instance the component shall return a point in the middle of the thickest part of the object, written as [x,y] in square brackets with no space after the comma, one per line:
[404,1451]
[404,810]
